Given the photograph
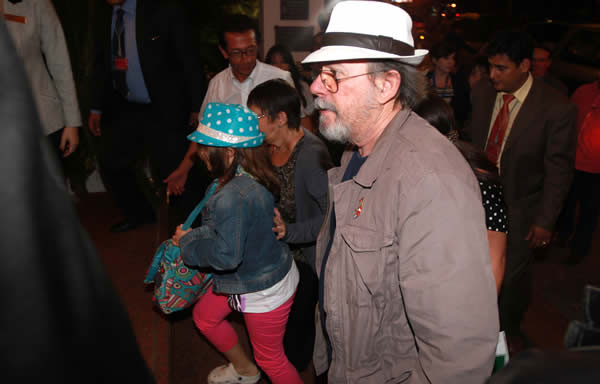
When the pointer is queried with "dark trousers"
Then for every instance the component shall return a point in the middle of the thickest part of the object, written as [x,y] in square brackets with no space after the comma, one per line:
[299,339]
[128,135]
[516,286]
[585,190]
[133,133]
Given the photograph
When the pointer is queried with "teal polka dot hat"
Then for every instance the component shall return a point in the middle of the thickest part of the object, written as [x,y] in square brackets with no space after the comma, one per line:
[228,125]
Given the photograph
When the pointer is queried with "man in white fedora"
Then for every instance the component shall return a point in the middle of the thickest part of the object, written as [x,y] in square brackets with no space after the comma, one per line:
[406,288]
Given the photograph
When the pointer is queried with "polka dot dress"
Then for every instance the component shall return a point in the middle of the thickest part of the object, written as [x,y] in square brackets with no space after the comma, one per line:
[493,203]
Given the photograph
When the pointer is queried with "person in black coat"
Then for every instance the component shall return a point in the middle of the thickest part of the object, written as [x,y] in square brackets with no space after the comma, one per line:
[62,320]
[147,88]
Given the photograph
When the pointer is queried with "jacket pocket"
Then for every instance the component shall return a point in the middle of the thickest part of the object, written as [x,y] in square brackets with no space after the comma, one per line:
[366,246]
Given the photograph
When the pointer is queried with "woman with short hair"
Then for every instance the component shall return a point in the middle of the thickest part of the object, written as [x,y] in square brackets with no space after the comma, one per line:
[301,161]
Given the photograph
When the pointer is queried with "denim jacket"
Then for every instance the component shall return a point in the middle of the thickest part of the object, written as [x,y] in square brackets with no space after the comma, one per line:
[236,239]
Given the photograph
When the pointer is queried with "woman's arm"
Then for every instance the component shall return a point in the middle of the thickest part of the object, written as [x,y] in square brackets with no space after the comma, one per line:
[497,241]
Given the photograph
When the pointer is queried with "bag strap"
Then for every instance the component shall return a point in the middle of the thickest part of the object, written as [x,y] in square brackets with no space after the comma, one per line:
[190,220]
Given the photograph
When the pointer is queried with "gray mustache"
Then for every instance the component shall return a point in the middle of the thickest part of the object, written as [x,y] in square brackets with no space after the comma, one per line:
[322,104]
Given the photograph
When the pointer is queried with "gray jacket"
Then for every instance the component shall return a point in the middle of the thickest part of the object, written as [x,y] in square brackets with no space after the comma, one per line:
[408,287]
[40,41]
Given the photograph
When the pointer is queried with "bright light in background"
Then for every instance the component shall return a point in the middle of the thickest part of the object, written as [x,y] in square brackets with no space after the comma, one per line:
[453,5]
[402,1]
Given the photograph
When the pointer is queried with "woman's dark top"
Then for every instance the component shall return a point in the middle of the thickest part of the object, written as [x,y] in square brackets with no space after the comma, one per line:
[304,194]
[287,198]
[495,209]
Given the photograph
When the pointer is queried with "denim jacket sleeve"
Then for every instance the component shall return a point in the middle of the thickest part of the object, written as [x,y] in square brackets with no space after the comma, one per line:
[218,244]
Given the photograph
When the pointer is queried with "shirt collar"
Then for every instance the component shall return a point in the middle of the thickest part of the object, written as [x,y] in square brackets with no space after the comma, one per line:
[128,6]
[521,93]
[252,76]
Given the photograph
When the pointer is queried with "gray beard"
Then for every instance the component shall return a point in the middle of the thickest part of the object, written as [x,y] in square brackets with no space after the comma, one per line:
[336,131]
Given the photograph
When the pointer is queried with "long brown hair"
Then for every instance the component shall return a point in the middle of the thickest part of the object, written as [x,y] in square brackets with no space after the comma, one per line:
[255,161]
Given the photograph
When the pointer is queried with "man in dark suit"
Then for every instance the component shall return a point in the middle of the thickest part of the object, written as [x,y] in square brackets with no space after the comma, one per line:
[528,129]
[147,90]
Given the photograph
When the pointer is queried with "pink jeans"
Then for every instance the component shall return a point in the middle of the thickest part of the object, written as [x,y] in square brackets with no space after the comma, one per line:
[266,331]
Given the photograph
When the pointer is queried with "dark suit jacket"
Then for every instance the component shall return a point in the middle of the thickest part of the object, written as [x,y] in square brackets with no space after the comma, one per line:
[172,71]
[538,159]
[63,321]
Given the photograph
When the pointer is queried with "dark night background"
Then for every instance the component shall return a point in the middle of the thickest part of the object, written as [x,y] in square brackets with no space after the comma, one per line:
[79,22]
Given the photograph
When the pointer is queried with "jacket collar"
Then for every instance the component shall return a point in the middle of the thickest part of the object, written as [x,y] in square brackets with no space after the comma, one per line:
[376,163]
[527,114]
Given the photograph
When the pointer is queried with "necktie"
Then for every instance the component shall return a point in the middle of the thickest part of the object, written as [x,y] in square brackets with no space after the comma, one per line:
[118,48]
[496,138]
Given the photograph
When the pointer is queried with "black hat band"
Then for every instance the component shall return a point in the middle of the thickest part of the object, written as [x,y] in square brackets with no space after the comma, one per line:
[377,43]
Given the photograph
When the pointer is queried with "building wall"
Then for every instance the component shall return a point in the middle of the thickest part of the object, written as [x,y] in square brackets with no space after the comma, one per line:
[270,17]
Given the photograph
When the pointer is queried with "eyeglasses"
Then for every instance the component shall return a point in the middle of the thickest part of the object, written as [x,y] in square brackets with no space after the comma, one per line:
[237,53]
[258,117]
[331,82]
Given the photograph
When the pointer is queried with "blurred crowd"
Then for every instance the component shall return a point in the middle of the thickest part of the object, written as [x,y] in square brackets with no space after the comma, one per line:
[374,211]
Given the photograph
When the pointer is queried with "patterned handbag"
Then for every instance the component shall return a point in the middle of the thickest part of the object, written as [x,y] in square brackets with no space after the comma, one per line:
[177,286]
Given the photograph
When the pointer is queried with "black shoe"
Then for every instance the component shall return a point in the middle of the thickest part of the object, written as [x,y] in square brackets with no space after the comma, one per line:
[129,224]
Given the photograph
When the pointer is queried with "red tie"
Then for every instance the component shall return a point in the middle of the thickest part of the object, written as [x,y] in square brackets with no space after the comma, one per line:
[496,138]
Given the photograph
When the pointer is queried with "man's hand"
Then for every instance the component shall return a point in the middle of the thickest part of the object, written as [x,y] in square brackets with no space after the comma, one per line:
[194,120]
[94,123]
[279,227]
[179,233]
[69,141]
[538,237]
[176,181]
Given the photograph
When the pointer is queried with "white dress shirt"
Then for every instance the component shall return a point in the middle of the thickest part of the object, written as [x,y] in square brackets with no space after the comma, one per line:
[225,88]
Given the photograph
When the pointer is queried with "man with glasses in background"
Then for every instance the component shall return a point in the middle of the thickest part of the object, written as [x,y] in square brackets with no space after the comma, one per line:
[540,66]
[406,291]
[238,43]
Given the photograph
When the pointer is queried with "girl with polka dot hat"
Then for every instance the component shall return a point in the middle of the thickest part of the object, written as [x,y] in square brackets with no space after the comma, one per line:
[228,125]
[254,272]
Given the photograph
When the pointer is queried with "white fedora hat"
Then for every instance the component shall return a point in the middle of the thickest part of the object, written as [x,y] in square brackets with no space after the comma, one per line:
[368,30]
